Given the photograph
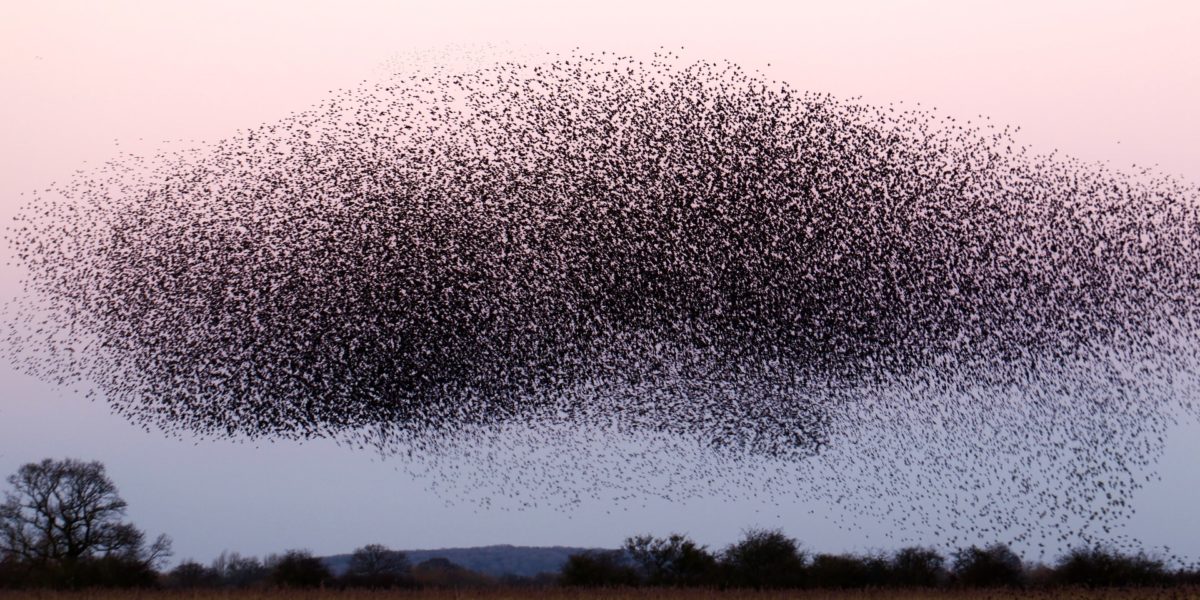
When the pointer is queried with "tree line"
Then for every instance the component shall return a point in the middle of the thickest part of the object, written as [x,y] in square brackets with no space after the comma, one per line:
[62,526]
[769,559]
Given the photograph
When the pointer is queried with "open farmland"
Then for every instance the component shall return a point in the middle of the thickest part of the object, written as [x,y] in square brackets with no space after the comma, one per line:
[615,594]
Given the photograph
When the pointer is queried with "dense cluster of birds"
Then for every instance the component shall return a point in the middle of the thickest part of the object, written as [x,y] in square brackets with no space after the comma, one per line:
[742,287]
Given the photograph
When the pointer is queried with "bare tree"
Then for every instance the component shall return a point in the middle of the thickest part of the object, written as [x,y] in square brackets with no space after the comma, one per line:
[59,513]
[674,560]
[376,565]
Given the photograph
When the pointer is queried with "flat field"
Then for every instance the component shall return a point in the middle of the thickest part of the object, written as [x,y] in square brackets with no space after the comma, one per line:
[606,594]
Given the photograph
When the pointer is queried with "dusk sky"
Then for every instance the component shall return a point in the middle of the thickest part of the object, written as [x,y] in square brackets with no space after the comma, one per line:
[88,82]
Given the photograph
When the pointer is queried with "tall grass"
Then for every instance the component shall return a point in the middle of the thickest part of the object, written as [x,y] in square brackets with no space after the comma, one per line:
[1178,593]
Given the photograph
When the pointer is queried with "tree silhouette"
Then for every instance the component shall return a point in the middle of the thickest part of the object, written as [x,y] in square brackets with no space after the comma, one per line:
[239,571]
[674,560]
[920,567]
[1107,567]
[299,568]
[765,559]
[994,566]
[847,571]
[377,566]
[598,568]
[63,520]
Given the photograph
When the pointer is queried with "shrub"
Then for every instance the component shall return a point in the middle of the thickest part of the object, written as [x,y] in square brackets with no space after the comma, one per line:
[377,566]
[917,567]
[598,569]
[673,561]
[764,559]
[994,566]
[1099,566]
[300,569]
[191,574]
[844,571]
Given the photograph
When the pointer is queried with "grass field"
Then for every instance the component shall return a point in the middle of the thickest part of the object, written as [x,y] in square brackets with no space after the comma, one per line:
[601,594]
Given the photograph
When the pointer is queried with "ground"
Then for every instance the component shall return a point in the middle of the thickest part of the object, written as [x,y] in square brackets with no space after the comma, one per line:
[600,594]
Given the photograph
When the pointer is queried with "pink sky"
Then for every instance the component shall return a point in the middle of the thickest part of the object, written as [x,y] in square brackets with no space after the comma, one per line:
[1100,80]
[1097,79]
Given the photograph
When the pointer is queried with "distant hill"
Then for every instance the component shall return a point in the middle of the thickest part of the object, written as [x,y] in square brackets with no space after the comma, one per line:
[496,561]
